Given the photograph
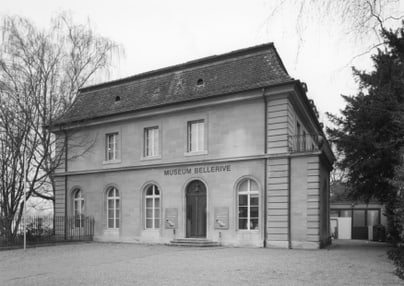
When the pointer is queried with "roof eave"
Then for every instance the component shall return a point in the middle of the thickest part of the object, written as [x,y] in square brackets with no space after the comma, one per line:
[66,123]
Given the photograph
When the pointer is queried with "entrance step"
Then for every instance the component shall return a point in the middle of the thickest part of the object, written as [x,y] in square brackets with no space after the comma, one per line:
[194,242]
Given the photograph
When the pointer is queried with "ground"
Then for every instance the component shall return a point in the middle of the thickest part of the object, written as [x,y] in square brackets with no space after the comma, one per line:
[345,263]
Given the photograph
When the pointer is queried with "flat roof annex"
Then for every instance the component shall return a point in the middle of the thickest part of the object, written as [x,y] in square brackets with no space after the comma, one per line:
[245,69]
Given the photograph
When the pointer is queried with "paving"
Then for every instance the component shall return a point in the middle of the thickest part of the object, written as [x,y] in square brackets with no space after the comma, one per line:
[344,263]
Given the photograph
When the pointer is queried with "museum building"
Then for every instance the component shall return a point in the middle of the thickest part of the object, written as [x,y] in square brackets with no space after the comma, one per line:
[225,149]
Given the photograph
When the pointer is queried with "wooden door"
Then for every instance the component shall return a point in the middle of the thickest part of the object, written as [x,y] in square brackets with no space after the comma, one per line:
[196,209]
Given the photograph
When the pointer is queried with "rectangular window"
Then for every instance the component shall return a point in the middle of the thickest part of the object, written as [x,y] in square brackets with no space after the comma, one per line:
[243,211]
[152,207]
[358,218]
[298,139]
[151,141]
[196,136]
[248,205]
[117,214]
[346,213]
[111,209]
[111,147]
[254,211]
[334,213]
[78,213]
[373,217]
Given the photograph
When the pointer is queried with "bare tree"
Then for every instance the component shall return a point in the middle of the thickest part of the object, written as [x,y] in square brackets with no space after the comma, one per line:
[13,145]
[359,21]
[40,74]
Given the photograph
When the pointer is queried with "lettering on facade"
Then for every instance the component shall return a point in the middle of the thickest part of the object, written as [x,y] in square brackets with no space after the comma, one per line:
[197,170]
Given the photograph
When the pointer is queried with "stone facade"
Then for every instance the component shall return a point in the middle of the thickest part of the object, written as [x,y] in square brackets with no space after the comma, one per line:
[266,139]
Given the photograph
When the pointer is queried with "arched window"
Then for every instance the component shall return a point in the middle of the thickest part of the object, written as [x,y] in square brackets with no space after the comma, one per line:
[152,207]
[78,208]
[248,205]
[113,208]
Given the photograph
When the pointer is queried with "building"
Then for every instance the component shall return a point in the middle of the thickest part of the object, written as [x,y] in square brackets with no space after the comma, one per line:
[354,220]
[226,148]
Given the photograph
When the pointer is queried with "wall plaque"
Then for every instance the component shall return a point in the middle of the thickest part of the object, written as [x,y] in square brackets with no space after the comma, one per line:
[171,218]
[221,218]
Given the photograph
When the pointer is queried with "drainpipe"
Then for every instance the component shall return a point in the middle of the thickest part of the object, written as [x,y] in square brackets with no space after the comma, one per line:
[289,204]
[265,168]
[65,148]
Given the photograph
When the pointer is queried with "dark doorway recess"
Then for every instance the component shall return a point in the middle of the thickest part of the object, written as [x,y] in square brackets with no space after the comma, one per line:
[196,209]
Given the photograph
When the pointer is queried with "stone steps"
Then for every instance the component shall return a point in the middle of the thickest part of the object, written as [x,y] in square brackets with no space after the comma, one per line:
[193,242]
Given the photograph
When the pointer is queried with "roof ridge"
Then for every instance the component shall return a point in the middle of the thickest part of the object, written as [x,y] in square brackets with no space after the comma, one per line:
[182,66]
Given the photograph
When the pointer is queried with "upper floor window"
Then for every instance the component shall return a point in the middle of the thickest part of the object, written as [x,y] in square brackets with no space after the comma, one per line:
[248,205]
[298,139]
[152,207]
[78,208]
[151,141]
[111,146]
[298,129]
[196,136]
[113,207]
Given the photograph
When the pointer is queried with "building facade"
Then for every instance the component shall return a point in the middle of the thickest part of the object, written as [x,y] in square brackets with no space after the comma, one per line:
[355,219]
[226,148]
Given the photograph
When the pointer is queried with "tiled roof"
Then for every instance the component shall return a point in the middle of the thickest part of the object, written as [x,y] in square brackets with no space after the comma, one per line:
[240,70]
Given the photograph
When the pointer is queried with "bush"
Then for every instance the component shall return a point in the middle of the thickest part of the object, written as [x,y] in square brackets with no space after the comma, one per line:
[38,232]
[397,255]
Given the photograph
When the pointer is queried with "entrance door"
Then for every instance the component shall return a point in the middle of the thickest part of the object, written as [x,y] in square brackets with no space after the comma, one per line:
[196,209]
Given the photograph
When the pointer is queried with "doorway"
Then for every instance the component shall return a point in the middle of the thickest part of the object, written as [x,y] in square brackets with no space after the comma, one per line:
[196,209]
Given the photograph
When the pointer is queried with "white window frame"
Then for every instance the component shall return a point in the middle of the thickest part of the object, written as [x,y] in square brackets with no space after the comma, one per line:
[78,207]
[200,145]
[152,138]
[115,207]
[112,148]
[249,192]
[153,208]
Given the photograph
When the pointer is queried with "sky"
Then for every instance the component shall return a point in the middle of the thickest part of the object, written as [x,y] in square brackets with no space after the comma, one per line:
[159,33]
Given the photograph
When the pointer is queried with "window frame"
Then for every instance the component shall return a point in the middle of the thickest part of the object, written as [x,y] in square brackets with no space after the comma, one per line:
[248,193]
[153,208]
[115,149]
[116,208]
[203,140]
[304,143]
[78,212]
[155,142]
[298,135]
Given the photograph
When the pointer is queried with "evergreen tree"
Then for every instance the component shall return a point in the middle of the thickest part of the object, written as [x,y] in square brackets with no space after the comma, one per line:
[370,130]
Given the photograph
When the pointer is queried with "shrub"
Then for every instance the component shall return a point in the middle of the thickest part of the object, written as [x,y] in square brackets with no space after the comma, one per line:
[397,255]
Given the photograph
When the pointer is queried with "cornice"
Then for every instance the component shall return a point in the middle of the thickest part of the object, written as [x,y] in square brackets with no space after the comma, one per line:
[190,163]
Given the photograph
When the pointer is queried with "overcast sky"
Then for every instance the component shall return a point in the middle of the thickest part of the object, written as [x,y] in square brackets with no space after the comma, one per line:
[159,33]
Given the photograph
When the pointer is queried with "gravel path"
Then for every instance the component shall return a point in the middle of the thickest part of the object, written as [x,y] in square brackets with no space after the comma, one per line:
[345,263]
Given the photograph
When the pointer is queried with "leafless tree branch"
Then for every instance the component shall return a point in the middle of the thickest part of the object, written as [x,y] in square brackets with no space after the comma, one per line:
[40,74]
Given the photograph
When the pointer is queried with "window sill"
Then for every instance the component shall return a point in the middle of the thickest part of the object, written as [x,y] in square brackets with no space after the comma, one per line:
[196,153]
[151,158]
[118,161]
